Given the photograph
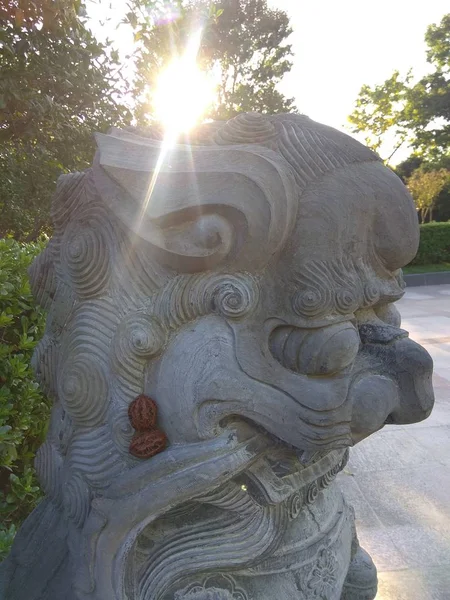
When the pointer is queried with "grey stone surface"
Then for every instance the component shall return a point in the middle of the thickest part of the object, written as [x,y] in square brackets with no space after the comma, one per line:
[403,509]
[245,281]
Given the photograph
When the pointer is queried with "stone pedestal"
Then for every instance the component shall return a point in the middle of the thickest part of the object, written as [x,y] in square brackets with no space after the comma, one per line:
[221,329]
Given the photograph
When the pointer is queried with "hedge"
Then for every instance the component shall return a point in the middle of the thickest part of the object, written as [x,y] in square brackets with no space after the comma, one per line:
[434,244]
[24,412]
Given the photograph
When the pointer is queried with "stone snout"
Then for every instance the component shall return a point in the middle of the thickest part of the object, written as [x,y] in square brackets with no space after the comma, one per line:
[392,379]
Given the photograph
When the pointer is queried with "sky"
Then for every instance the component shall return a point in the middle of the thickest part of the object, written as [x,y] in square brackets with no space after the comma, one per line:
[338,45]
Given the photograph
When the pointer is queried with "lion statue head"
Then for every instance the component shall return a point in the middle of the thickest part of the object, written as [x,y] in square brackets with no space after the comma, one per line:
[245,279]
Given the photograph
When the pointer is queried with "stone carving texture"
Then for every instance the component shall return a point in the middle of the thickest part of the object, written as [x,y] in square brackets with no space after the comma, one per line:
[213,348]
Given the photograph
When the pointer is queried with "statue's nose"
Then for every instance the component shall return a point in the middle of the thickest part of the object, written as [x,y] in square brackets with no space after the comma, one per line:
[408,363]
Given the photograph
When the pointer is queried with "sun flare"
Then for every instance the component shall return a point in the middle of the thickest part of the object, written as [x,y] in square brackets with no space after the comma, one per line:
[183,91]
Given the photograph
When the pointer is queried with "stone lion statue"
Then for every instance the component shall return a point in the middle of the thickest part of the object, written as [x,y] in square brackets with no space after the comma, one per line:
[221,329]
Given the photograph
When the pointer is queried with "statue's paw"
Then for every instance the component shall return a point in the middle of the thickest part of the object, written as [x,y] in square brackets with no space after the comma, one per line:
[361,581]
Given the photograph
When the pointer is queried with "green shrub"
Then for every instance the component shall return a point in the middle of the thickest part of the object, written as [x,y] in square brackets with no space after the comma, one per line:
[434,244]
[24,411]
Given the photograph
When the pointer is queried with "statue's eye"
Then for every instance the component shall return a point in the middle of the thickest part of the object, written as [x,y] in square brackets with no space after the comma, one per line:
[389,314]
[321,351]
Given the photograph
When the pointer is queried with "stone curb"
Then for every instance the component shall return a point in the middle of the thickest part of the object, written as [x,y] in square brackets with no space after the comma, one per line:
[418,279]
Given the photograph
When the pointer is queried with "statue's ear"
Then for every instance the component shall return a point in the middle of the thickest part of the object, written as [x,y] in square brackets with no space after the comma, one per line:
[198,206]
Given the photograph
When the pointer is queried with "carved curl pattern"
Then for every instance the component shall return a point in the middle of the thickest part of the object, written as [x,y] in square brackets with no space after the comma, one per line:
[85,256]
[48,464]
[67,198]
[234,296]
[371,294]
[188,297]
[43,279]
[139,336]
[76,499]
[295,505]
[312,492]
[83,388]
[354,285]
[312,301]
[346,301]
[247,128]
[44,363]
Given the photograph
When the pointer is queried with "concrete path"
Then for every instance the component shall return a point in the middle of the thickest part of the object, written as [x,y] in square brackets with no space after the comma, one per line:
[399,479]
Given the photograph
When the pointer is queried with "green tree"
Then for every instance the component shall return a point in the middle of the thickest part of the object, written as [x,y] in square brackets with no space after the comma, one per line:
[413,112]
[425,187]
[244,42]
[58,86]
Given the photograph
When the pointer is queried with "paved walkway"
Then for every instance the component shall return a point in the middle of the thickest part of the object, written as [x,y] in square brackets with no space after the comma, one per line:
[399,479]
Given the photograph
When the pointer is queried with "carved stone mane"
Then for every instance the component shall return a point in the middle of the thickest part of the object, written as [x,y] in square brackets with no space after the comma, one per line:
[220,330]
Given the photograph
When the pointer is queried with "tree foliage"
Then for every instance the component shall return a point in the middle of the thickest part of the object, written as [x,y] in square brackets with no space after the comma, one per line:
[425,187]
[415,112]
[58,86]
[243,42]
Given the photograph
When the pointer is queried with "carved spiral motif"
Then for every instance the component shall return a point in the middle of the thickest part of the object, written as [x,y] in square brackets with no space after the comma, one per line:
[312,493]
[83,389]
[48,464]
[67,198]
[43,279]
[344,460]
[346,301]
[235,296]
[246,128]
[371,294]
[328,478]
[84,254]
[189,297]
[139,336]
[76,499]
[311,302]
[295,504]
[44,363]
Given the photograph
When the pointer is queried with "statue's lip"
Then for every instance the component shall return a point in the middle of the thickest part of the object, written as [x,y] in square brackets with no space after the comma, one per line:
[237,438]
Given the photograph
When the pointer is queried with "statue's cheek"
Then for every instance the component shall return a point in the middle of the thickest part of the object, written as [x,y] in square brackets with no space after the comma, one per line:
[322,351]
